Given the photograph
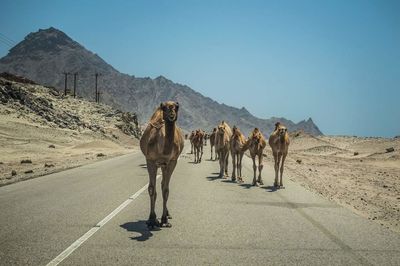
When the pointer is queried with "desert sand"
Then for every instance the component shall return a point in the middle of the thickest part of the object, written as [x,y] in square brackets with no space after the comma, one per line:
[356,172]
[43,132]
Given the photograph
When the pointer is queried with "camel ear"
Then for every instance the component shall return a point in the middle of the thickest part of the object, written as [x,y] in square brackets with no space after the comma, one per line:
[177,106]
[285,129]
[162,106]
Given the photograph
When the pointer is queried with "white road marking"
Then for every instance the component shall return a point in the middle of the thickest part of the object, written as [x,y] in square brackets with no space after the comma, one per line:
[63,255]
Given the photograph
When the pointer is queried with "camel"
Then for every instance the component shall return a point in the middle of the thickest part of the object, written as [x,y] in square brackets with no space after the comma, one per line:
[237,143]
[198,145]
[191,142]
[161,143]
[279,142]
[212,142]
[222,147]
[256,144]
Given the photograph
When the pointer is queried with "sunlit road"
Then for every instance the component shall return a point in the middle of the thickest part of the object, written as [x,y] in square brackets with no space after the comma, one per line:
[214,221]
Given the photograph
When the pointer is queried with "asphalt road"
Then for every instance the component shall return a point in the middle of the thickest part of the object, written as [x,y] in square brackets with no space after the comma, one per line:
[214,221]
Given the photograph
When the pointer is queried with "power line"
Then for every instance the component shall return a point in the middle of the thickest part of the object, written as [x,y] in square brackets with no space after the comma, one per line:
[9,39]
[6,41]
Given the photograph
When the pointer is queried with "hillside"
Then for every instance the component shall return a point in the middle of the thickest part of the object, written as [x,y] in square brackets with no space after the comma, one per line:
[44,55]
[42,131]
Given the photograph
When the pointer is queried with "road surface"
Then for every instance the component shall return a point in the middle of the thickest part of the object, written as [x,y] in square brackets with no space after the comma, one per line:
[95,215]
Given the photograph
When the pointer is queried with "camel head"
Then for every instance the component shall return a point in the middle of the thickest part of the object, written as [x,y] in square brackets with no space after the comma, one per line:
[170,111]
[221,129]
[282,132]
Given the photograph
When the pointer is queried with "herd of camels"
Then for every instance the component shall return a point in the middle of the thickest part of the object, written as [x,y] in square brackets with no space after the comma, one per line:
[162,142]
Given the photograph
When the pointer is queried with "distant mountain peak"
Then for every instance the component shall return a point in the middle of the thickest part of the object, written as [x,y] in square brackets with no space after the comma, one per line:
[44,40]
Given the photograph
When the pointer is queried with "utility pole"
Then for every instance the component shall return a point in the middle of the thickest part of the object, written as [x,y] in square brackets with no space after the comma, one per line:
[96,92]
[98,96]
[75,74]
[65,82]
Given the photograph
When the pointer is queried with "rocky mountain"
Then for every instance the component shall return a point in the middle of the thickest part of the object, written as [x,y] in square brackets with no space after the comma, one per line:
[48,107]
[45,55]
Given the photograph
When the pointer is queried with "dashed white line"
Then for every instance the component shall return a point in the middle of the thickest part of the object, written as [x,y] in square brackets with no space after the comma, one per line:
[63,255]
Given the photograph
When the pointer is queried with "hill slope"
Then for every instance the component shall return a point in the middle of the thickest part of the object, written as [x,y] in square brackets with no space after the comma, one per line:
[44,55]
[53,132]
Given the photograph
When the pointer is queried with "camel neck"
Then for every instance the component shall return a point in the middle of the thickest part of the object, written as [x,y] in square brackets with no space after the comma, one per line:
[282,139]
[169,136]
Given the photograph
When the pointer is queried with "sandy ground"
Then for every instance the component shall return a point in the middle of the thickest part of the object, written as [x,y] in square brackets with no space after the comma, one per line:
[20,140]
[69,133]
[368,183]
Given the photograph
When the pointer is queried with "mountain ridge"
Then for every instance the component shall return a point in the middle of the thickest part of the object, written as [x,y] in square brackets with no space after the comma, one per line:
[44,55]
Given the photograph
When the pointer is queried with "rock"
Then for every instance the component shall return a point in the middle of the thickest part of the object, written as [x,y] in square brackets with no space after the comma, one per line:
[309,169]
[101,154]
[26,161]
[391,149]
[28,172]
[356,153]
[1,163]
[52,146]
[298,161]
[48,165]
[13,173]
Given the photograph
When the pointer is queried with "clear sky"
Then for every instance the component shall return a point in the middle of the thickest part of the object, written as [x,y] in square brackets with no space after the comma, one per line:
[335,61]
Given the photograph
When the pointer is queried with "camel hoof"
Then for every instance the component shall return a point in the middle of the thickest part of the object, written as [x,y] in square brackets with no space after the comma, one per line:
[276,185]
[254,184]
[233,179]
[261,183]
[164,222]
[152,223]
[281,187]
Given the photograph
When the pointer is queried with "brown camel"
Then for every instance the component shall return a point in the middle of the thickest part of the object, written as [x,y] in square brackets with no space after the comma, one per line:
[237,143]
[212,142]
[279,142]
[161,143]
[256,144]
[198,145]
[191,141]
[222,147]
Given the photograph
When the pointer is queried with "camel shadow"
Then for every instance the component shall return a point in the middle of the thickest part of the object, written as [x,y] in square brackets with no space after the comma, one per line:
[143,165]
[229,181]
[141,228]
[270,188]
[192,162]
[212,178]
[247,186]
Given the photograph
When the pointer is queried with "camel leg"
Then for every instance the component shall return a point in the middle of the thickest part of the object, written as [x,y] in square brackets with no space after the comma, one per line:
[254,170]
[167,173]
[211,152]
[226,162]
[152,170]
[260,167]
[239,166]
[276,168]
[233,176]
[201,154]
[282,165]
[221,164]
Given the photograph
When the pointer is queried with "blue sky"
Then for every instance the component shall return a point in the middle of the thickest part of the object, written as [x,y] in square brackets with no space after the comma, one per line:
[335,61]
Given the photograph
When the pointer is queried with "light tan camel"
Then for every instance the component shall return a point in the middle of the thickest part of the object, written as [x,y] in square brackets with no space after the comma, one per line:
[222,147]
[198,145]
[237,143]
[279,142]
[161,143]
[256,144]
[212,142]
[191,141]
